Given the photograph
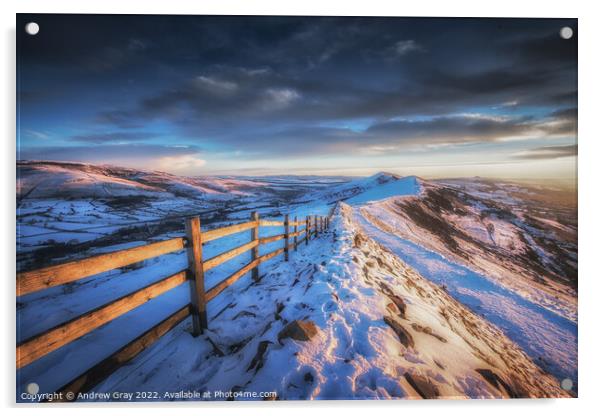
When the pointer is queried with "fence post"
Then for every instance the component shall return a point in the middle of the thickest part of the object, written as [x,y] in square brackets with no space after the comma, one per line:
[195,269]
[307,229]
[316,226]
[286,237]
[255,250]
[295,228]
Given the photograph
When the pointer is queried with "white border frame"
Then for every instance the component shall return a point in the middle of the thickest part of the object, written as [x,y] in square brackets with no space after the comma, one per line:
[590,149]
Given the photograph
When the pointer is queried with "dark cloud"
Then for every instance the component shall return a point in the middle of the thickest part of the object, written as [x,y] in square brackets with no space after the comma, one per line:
[544,50]
[391,137]
[484,83]
[298,84]
[565,114]
[452,129]
[562,122]
[210,101]
[549,152]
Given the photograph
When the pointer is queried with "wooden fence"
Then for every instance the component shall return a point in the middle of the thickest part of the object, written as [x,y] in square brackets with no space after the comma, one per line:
[296,232]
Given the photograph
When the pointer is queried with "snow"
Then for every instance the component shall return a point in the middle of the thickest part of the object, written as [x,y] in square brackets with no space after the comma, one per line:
[345,291]
[547,337]
[344,282]
[350,189]
[401,187]
[355,354]
[501,249]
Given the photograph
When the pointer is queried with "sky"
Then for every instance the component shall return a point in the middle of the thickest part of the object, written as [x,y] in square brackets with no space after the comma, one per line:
[243,95]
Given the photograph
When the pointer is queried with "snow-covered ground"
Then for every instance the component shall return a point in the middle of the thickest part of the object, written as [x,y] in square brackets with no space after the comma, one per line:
[382,331]
[397,311]
[531,257]
[549,339]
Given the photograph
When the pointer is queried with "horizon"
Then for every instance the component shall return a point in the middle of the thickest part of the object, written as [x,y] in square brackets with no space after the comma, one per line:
[253,95]
[567,183]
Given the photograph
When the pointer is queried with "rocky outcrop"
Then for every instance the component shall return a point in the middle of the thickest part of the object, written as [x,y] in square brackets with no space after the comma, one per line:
[423,386]
[298,330]
[404,336]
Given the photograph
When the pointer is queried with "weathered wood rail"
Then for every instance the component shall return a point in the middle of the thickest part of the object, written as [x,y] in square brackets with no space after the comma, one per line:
[296,232]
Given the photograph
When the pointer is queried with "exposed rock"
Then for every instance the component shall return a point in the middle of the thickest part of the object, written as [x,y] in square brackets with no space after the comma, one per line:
[257,361]
[404,336]
[385,288]
[308,377]
[497,382]
[299,330]
[244,313]
[358,240]
[237,346]
[423,386]
[427,330]
[401,305]
[266,328]
[392,308]
[279,308]
[216,350]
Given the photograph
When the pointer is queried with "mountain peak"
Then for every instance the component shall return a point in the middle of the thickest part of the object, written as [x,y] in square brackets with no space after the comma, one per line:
[383,174]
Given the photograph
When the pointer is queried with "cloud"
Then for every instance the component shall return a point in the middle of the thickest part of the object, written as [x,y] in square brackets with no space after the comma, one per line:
[452,129]
[113,137]
[292,85]
[277,98]
[391,136]
[182,163]
[561,122]
[565,114]
[37,134]
[210,102]
[380,136]
[215,86]
[543,50]
[281,71]
[404,47]
[548,152]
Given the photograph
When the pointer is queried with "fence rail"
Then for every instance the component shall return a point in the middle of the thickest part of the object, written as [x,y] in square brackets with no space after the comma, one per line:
[36,280]
[50,340]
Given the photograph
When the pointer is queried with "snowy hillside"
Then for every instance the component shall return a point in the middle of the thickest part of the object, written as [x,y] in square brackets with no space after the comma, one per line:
[409,185]
[532,256]
[356,187]
[456,288]
[364,325]
[66,207]
[54,180]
